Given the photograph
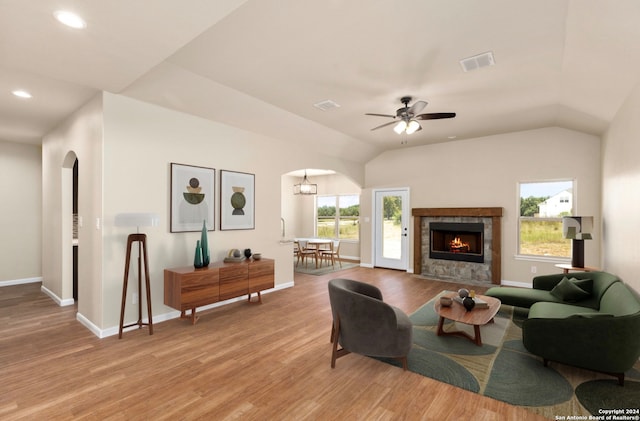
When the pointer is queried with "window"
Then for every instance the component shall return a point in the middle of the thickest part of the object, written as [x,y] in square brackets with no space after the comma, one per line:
[338,217]
[542,206]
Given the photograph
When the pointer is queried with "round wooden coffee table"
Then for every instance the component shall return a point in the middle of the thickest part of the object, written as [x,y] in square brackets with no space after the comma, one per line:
[476,317]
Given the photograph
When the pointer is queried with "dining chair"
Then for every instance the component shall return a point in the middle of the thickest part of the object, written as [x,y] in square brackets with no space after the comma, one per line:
[333,253]
[304,252]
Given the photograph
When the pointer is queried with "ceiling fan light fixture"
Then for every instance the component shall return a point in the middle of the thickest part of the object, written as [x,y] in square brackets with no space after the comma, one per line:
[400,127]
[412,127]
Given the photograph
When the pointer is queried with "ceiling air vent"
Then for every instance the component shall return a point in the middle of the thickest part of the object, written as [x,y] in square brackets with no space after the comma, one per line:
[326,105]
[475,62]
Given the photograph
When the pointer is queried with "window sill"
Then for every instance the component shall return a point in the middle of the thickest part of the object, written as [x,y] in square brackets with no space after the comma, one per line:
[543,259]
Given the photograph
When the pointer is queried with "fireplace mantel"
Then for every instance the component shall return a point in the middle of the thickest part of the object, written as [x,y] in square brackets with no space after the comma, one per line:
[494,213]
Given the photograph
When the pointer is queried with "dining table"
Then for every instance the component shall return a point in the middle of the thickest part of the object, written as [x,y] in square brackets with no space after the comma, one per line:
[316,243]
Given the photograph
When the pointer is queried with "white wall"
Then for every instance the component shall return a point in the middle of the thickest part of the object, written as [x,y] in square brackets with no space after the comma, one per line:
[79,136]
[20,212]
[141,141]
[485,172]
[620,192]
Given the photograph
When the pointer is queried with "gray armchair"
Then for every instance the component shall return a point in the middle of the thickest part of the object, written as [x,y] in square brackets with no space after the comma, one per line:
[364,324]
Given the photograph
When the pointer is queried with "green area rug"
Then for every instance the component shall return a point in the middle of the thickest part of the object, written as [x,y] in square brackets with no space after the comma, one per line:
[322,270]
[504,370]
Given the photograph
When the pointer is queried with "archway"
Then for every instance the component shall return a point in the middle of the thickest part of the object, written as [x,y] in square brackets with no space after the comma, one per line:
[69,224]
[299,213]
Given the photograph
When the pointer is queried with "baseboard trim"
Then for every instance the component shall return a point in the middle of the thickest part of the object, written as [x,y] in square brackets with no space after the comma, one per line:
[20,281]
[60,301]
[506,283]
[173,314]
[89,325]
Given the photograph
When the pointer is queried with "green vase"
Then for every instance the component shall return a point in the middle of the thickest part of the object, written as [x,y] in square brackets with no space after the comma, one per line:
[197,260]
[204,244]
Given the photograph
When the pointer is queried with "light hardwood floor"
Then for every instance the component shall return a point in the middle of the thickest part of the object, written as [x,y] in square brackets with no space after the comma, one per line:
[240,361]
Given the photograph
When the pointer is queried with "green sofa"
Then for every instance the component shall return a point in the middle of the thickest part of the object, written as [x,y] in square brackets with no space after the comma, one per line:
[597,328]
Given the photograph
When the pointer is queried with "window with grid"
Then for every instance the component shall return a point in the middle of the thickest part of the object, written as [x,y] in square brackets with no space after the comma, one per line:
[338,217]
[542,205]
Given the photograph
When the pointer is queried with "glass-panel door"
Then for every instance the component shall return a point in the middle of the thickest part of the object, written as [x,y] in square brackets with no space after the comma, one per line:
[391,228]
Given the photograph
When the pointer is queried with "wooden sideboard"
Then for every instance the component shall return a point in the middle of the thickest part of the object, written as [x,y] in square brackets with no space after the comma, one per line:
[187,288]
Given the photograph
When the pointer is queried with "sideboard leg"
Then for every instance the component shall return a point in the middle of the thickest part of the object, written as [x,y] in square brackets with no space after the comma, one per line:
[255,302]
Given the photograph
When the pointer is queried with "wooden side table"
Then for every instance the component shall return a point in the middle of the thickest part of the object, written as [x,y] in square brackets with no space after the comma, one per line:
[567,267]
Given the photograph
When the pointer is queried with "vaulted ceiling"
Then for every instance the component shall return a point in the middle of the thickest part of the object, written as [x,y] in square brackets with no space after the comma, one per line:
[262,64]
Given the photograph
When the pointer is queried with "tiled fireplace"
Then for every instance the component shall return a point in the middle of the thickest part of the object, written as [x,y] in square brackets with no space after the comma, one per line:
[458,244]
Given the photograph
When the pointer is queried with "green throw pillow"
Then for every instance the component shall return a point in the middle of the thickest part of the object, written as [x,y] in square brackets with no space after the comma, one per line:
[584,284]
[569,291]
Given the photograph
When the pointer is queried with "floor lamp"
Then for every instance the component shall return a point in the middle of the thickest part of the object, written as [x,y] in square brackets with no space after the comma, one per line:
[137,220]
[578,229]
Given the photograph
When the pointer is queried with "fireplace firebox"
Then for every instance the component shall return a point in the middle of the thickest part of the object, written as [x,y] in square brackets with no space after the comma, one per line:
[458,241]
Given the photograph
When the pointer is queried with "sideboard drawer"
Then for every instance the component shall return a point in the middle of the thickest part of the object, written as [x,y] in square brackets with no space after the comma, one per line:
[234,280]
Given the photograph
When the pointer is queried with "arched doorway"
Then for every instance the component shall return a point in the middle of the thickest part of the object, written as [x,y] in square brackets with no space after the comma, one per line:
[70,224]
[299,212]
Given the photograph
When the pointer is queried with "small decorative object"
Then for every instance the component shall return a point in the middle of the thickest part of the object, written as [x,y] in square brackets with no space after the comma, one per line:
[197,260]
[446,301]
[247,253]
[257,256]
[463,292]
[204,243]
[233,256]
[468,303]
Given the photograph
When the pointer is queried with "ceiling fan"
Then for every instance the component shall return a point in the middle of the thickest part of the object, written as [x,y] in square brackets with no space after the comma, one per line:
[409,116]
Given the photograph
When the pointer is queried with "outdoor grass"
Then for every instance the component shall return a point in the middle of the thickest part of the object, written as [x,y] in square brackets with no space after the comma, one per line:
[543,238]
[348,230]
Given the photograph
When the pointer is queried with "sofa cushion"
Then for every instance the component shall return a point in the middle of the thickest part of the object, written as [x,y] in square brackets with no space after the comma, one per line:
[521,297]
[619,300]
[569,291]
[584,284]
[544,310]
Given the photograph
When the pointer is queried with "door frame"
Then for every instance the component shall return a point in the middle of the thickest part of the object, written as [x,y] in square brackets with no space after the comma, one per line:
[406,218]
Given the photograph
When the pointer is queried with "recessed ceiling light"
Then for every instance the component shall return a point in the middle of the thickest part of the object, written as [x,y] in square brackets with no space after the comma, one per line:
[451,137]
[21,93]
[70,19]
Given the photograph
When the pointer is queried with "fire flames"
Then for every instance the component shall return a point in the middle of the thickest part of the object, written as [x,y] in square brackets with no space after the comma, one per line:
[458,246]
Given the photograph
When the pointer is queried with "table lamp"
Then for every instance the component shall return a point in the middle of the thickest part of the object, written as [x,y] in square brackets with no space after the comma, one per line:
[137,220]
[578,229]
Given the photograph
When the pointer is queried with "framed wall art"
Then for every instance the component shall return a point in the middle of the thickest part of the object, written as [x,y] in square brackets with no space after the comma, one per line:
[237,200]
[192,198]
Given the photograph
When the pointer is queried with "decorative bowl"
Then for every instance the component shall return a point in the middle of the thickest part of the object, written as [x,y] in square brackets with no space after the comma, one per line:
[446,301]
[193,198]
[257,256]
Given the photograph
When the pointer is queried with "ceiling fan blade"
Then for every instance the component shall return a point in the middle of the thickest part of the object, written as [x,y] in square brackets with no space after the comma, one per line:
[384,125]
[381,115]
[434,116]
[417,107]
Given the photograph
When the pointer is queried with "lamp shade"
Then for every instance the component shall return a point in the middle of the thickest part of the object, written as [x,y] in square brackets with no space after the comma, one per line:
[577,227]
[140,219]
